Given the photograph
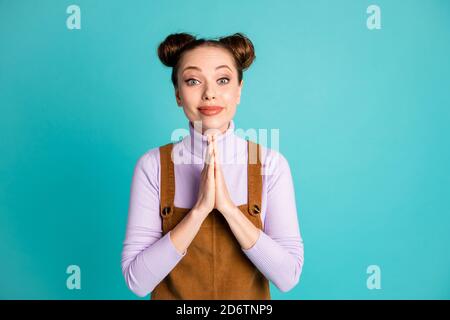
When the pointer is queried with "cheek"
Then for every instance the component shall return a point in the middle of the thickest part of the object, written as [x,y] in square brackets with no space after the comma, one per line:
[231,95]
[190,96]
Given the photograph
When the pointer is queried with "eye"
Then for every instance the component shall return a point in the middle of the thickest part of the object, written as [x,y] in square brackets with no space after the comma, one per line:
[189,81]
[221,82]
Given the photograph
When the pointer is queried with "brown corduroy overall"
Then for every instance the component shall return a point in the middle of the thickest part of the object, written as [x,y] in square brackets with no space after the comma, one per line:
[214,266]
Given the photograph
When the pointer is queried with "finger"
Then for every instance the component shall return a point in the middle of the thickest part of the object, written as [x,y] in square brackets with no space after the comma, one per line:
[207,160]
[211,166]
[203,173]
[208,151]
[216,151]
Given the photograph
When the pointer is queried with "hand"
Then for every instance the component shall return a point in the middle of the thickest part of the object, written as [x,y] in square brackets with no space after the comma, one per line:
[206,193]
[223,201]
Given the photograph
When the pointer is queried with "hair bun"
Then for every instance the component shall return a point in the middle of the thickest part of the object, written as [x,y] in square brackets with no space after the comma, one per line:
[169,49]
[242,49]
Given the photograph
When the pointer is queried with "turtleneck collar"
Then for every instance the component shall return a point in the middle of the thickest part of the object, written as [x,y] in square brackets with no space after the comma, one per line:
[227,144]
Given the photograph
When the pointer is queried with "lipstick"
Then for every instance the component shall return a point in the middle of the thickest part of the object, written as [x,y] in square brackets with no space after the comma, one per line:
[210,110]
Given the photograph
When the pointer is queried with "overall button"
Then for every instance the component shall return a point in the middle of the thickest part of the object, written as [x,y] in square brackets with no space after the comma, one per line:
[166,211]
[256,209]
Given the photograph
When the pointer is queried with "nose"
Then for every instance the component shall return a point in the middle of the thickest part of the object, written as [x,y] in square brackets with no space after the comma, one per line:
[209,93]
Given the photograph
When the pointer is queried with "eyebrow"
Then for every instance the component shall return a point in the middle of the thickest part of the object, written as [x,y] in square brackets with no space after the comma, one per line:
[197,68]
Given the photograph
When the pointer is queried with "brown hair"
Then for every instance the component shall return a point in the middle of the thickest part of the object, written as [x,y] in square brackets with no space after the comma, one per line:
[172,48]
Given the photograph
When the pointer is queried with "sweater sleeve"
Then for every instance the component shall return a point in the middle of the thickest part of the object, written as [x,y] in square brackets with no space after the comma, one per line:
[147,255]
[278,252]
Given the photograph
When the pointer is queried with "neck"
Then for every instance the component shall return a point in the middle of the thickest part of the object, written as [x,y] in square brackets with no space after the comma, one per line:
[227,142]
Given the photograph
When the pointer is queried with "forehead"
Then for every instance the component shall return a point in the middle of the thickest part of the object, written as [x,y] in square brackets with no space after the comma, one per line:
[206,58]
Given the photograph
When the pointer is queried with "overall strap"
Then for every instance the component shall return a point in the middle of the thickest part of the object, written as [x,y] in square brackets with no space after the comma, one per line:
[254,178]
[167,180]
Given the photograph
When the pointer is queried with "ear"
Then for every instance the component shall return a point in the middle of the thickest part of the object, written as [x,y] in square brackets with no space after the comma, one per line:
[177,97]
[239,93]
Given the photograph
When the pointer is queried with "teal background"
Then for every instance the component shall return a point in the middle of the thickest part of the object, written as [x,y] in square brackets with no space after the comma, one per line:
[363,118]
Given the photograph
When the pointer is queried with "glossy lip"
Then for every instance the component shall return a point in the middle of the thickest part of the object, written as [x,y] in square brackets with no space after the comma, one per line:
[210,110]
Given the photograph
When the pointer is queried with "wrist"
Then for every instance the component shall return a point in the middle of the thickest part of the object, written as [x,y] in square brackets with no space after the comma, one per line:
[230,211]
[198,214]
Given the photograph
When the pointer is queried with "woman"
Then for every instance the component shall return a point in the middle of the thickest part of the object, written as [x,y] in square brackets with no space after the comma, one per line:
[222,222]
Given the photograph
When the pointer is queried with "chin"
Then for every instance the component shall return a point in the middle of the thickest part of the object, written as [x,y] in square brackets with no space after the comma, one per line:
[211,123]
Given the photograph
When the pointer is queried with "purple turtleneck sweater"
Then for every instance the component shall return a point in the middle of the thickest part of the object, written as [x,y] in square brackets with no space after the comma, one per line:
[148,256]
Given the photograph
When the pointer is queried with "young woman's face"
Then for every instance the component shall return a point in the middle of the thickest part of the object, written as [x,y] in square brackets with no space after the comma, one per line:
[208,77]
